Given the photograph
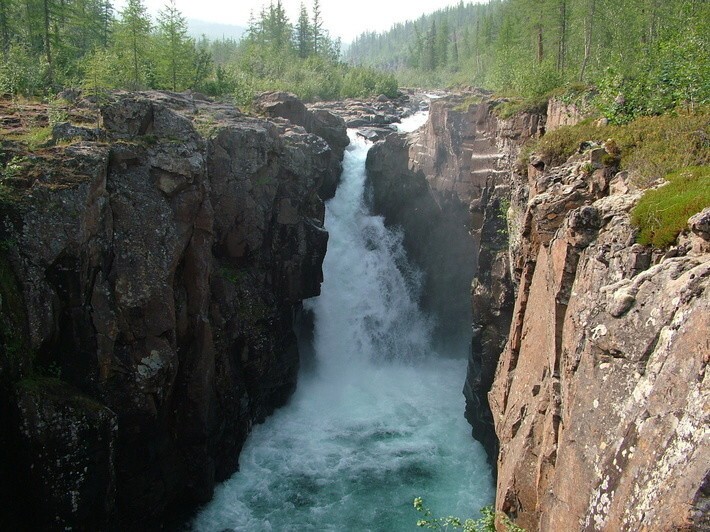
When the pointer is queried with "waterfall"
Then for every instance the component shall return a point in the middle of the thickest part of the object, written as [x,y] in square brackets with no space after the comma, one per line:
[379,420]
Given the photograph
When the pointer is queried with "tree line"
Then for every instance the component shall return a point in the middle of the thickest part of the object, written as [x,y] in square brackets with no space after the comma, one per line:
[656,53]
[47,45]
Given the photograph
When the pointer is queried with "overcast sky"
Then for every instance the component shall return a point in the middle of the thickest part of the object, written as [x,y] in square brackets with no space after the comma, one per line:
[342,18]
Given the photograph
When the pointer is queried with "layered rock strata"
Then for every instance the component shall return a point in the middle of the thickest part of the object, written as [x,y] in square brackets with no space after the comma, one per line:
[149,283]
[447,185]
[601,394]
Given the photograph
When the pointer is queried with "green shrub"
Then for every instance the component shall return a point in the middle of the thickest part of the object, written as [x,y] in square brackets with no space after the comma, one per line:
[650,146]
[487,523]
[663,213]
[22,73]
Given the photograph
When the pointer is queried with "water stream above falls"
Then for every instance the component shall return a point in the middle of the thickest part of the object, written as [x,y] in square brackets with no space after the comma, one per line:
[379,420]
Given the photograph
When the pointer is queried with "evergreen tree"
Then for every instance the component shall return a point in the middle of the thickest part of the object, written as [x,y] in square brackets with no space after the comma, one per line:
[454,53]
[304,34]
[132,42]
[442,44]
[175,49]
[317,27]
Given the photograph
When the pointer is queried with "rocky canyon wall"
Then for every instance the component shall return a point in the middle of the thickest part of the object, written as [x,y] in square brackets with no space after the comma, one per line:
[151,268]
[448,186]
[601,395]
[599,346]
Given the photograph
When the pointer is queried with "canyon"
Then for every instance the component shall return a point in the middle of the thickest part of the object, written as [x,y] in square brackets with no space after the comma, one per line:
[153,270]
[587,376]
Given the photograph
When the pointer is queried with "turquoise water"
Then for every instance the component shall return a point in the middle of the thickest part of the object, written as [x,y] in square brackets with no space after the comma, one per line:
[379,421]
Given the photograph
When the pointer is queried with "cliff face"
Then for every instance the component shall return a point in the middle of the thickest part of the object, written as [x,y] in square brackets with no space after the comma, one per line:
[448,186]
[601,394]
[149,284]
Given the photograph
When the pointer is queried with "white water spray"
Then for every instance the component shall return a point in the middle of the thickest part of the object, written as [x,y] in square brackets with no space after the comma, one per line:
[380,421]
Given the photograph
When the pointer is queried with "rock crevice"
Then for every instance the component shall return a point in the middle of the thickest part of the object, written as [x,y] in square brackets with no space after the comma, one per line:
[594,348]
[150,284]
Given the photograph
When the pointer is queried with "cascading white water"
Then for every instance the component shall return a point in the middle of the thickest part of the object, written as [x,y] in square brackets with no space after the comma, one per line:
[380,421]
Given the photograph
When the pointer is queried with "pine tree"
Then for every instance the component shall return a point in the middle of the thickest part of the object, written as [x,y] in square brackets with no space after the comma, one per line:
[304,34]
[132,40]
[442,44]
[454,53]
[175,49]
[317,27]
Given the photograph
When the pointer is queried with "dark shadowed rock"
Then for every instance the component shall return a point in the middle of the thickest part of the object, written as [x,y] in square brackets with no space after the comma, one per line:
[157,275]
[69,440]
[320,122]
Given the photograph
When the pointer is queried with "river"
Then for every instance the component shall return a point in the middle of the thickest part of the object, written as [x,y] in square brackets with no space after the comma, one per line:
[378,419]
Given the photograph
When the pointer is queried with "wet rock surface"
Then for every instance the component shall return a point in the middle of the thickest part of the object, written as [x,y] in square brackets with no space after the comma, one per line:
[155,275]
[447,185]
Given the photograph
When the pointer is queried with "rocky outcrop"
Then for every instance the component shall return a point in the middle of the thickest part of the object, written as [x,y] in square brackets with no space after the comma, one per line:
[561,113]
[149,283]
[600,397]
[600,394]
[448,186]
[321,122]
[380,112]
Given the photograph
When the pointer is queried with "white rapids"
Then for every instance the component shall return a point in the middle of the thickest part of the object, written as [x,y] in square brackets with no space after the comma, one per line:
[380,420]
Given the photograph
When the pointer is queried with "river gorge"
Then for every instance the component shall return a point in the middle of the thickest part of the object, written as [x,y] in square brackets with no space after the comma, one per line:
[225,321]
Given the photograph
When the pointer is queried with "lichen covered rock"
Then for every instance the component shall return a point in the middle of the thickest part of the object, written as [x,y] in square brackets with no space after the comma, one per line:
[600,397]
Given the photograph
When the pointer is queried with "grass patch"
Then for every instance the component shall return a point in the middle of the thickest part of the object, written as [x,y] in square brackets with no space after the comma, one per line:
[34,138]
[469,101]
[512,107]
[650,146]
[663,213]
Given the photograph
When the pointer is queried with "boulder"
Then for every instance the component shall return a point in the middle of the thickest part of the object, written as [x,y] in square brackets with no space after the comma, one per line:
[320,122]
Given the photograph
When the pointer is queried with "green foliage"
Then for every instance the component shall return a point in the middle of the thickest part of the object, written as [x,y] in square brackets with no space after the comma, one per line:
[361,82]
[132,40]
[57,111]
[650,147]
[34,137]
[22,72]
[663,213]
[89,47]
[175,50]
[13,167]
[645,58]
[487,523]
[304,61]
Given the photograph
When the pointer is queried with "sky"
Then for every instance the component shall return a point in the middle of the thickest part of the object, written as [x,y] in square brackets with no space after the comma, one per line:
[342,18]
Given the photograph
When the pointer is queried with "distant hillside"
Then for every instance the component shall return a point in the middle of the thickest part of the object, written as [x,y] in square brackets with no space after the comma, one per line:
[399,47]
[214,30]
[643,56]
